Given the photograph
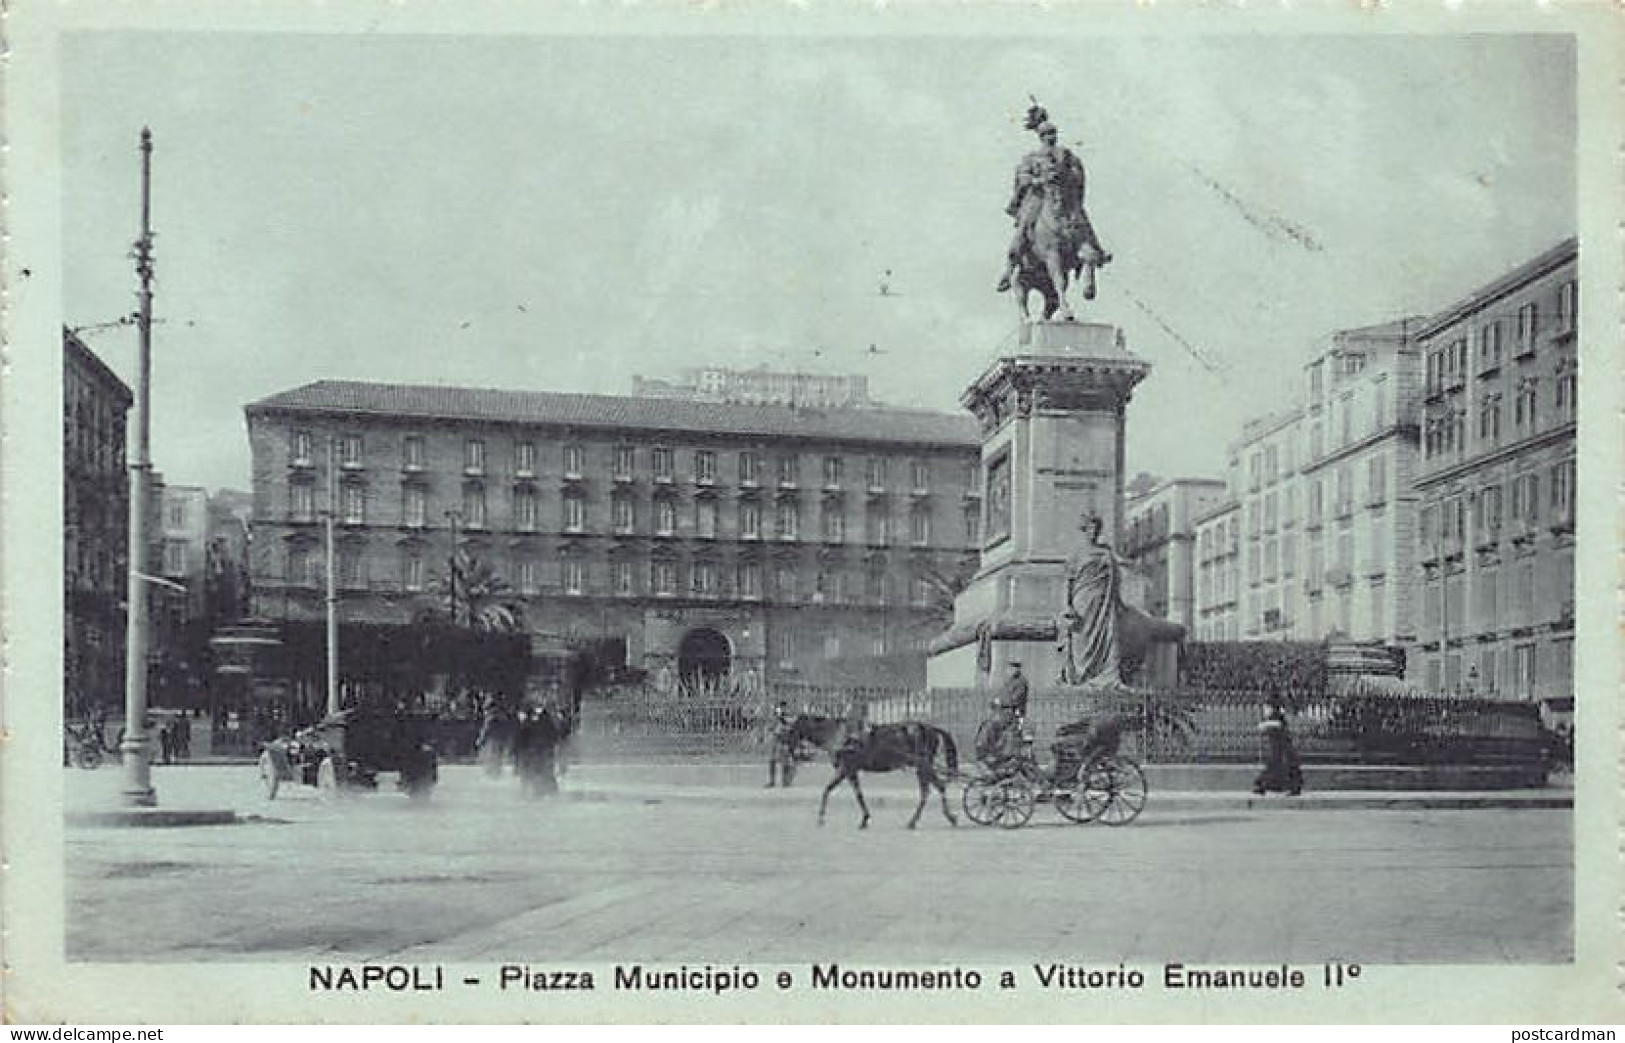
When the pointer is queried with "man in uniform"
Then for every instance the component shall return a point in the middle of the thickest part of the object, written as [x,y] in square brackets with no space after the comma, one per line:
[1016,691]
[1003,739]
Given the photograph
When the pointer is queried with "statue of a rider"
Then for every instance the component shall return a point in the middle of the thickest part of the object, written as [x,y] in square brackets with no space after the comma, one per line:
[1053,237]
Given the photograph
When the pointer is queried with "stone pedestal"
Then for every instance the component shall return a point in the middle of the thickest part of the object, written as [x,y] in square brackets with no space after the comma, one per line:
[1052,453]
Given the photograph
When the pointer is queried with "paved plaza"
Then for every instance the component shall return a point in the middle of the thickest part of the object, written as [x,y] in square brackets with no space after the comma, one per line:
[478,874]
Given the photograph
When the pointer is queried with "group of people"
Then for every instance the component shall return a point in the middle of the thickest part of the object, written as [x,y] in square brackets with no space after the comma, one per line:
[533,736]
[175,740]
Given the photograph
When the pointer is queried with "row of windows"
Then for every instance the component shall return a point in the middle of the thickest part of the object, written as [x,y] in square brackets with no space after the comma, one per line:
[784,515]
[623,462]
[1445,524]
[1515,594]
[1447,365]
[1278,509]
[1446,434]
[746,580]
[1334,563]
[93,426]
[1219,540]
[1276,461]
[1522,670]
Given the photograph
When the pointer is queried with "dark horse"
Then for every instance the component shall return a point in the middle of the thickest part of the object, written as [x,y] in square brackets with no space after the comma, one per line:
[884,747]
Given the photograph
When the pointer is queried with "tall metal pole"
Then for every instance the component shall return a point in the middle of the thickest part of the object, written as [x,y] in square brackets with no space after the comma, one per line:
[332,583]
[138,791]
[1452,524]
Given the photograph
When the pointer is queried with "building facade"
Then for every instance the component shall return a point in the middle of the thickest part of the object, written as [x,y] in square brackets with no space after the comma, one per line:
[1218,572]
[1160,541]
[1496,485]
[96,529]
[184,531]
[1358,465]
[1265,486]
[715,540]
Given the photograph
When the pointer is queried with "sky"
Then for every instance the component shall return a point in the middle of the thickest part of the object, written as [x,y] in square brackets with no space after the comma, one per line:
[560,213]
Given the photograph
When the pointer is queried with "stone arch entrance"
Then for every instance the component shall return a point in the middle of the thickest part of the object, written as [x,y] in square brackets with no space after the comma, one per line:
[704,656]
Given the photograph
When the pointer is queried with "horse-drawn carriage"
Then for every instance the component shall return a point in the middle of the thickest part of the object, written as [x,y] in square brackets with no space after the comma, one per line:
[347,750]
[1088,780]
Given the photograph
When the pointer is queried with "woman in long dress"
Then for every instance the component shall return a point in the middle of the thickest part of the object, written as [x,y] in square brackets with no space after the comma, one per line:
[1282,771]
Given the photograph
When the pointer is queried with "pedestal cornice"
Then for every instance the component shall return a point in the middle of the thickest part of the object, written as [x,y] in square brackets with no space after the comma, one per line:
[1076,367]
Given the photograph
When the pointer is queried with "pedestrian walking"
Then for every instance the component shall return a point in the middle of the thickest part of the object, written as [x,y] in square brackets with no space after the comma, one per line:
[1282,771]
[166,742]
[535,750]
[781,761]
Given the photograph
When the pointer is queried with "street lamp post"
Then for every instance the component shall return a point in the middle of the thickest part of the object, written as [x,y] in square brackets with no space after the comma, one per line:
[332,584]
[138,791]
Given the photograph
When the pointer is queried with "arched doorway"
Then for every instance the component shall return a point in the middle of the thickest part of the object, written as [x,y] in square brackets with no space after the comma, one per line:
[703,657]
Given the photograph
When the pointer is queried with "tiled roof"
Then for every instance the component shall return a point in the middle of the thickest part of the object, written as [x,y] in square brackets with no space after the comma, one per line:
[623,411]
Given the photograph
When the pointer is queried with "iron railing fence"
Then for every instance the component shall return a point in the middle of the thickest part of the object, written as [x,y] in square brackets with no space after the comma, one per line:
[1171,725]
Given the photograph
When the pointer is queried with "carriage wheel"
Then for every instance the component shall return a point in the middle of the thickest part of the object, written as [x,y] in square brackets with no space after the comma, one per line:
[1072,801]
[87,756]
[1092,793]
[980,801]
[1125,782]
[270,779]
[1015,803]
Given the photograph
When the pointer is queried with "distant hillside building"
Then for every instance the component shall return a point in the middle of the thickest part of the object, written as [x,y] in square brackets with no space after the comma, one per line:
[749,541]
[760,387]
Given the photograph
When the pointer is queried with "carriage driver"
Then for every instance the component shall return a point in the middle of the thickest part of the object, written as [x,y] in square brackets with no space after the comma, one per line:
[1016,691]
[1005,739]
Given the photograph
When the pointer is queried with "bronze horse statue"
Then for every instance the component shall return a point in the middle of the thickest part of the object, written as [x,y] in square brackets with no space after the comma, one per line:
[1054,241]
[883,747]
[1060,248]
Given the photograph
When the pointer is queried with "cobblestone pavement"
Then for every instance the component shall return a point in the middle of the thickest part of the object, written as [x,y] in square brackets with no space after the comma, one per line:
[478,874]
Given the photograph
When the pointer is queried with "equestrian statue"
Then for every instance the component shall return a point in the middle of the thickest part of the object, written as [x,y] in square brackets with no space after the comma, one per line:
[1054,241]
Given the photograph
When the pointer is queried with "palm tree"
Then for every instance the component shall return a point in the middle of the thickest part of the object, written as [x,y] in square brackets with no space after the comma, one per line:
[943,587]
[477,597]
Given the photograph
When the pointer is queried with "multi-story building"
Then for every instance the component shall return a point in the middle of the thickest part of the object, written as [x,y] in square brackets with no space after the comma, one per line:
[184,531]
[1317,539]
[1160,542]
[1496,483]
[1359,508]
[1218,570]
[760,386]
[96,529]
[1264,484]
[751,541]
